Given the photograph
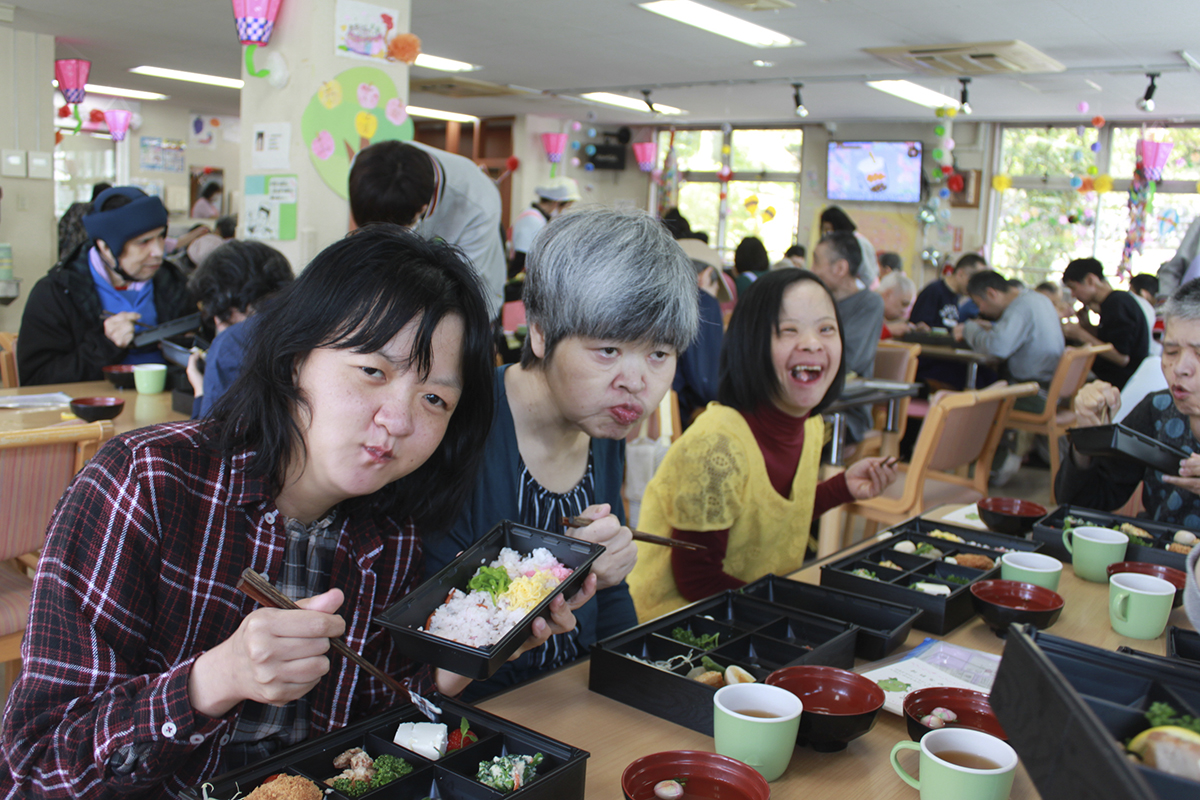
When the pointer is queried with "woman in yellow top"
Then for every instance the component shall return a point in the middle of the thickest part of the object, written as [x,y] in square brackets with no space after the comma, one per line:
[742,480]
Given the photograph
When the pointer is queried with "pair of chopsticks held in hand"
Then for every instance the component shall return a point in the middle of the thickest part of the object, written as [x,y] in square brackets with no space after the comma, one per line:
[638,536]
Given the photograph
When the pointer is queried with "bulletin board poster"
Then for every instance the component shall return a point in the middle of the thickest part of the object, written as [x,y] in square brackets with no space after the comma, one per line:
[888,231]
[362,29]
[270,207]
[161,155]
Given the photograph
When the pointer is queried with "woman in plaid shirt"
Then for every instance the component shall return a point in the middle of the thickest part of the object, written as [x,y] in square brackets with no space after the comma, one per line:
[359,418]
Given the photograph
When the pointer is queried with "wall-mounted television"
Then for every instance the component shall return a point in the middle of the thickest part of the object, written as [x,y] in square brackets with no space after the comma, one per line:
[874,171]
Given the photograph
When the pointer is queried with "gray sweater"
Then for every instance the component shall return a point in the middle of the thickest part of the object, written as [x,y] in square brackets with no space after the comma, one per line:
[1191,593]
[1028,336]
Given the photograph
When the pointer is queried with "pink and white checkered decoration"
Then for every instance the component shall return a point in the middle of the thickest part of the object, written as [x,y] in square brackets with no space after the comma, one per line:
[72,75]
[255,30]
[554,144]
[117,120]
[646,154]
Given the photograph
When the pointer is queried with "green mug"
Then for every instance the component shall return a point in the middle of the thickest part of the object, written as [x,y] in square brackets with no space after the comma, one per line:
[960,763]
[757,724]
[1138,605]
[150,378]
[1032,568]
[1093,550]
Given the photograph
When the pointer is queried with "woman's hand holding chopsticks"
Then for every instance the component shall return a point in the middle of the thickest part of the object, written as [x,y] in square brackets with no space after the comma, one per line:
[601,527]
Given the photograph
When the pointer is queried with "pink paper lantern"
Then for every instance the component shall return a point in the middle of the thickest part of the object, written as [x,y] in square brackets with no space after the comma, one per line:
[117,120]
[72,75]
[554,145]
[255,19]
[646,154]
[1153,156]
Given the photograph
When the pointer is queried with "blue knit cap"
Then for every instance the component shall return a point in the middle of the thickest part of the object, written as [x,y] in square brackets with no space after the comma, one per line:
[116,227]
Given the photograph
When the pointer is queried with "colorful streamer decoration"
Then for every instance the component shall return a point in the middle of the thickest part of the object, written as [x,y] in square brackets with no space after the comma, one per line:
[1151,157]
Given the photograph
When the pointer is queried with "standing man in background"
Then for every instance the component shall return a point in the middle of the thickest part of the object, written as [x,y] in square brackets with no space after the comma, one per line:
[553,198]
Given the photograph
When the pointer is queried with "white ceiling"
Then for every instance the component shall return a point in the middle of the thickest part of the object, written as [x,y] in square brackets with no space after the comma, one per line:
[564,47]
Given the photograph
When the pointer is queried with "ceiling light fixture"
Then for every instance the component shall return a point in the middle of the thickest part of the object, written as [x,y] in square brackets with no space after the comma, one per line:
[963,103]
[649,104]
[608,98]
[720,23]
[914,93]
[758,62]
[1146,101]
[190,77]
[444,64]
[114,91]
[433,113]
[801,111]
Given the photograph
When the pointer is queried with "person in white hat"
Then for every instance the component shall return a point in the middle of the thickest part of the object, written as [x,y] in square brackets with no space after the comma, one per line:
[553,198]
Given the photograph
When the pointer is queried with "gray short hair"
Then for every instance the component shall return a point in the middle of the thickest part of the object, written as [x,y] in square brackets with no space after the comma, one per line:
[601,273]
[1184,303]
[899,281]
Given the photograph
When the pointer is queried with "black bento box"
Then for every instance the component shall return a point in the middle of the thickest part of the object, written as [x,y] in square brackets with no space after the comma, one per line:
[882,626]
[1118,441]
[941,613]
[758,636]
[561,774]
[1049,528]
[1182,643]
[406,618]
[1069,708]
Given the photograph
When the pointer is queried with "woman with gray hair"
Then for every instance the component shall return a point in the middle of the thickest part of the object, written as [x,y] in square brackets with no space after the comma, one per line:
[1172,416]
[610,301]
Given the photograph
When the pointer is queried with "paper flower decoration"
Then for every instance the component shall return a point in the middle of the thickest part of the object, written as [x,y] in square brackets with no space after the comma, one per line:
[768,213]
[1093,170]
[512,163]
[64,111]
[96,116]
[1076,182]
[1087,185]
[1104,183]
[1097,121]
[117,120]
[330,94]
[366,124]
[1082,107]
[554,144]
[255,19]
[368,95]
[646,154]
[404,47]
[955,183]
[322,146]
[1001,182]
[752,204]
[72,75]
[1153,156]
[939,130]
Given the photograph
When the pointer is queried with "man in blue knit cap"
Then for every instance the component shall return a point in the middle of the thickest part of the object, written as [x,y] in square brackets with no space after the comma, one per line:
[83,315]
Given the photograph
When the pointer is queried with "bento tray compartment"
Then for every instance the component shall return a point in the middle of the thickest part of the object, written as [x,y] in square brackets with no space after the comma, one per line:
[1119,441]
[319,765]
[883,626]
[1182,643]
[1048,530]
[409,615]
[670,694]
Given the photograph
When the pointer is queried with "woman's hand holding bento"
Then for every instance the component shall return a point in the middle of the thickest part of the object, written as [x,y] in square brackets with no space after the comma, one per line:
[1096,404]
[1189,475]
[620,553]
[274,657]
[870,476]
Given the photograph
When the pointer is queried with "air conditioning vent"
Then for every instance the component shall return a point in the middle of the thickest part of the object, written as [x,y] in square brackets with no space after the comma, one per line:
[447,86]
[978,58]
[758,5]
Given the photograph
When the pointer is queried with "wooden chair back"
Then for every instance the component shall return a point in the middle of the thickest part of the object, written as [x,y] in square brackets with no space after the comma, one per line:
[8,361]
[895,361]
[1069,377]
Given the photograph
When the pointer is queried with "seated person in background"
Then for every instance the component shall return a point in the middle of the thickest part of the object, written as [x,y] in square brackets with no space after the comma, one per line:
[943,304]
[358,422]
[896,290]
[438,194]
[1054,294]
[836,259]
[1025,332]
[697,368]
[1171,416]
[226,226]
[610,300]
[71,232]
[796,256]
[750,261]
[83,314]
[1144,289]
[742,480]
[1122,323]
[208,204]
[233,283]
[834,219]
[889,263]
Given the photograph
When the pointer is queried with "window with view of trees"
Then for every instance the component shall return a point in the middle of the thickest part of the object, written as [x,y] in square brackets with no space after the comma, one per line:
[1042,223]
[763,196]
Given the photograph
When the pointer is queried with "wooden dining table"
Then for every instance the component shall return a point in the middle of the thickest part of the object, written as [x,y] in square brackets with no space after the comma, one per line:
[560,705]
[140,409]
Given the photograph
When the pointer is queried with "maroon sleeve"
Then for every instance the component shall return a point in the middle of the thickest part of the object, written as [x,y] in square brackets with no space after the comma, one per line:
[698,573]
[831,493]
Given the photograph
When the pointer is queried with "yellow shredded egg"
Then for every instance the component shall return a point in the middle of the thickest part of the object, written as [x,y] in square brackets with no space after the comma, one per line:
[527,591]
[947,535]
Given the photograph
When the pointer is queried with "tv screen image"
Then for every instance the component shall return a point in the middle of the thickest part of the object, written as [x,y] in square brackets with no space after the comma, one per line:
[874,171]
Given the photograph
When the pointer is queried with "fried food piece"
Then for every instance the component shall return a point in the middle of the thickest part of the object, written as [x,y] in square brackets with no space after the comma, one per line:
[1134,532]
[287,787]
[1176,547]
[974,561]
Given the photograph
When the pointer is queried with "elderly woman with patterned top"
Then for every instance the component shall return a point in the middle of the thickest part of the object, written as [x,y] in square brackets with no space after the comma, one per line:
[742,480]
[359,419]
[1171,416]
[610,300]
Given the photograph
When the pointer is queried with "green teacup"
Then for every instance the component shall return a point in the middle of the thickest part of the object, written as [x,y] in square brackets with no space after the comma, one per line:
[150,378]
[960,763]
[1034,568]
[1093,549]
[1138,605]
[757,724]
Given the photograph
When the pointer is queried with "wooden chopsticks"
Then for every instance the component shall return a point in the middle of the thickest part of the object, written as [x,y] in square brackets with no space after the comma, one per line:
[638,536]
[261,590]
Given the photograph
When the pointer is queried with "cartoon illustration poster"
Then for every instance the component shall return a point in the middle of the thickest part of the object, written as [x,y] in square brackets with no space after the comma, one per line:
[270,207]
[361,30]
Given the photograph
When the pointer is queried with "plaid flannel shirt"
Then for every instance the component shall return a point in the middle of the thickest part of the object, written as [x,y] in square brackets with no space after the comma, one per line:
[137,579]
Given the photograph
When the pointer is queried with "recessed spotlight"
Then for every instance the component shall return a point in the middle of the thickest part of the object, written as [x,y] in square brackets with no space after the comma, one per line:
[758,62]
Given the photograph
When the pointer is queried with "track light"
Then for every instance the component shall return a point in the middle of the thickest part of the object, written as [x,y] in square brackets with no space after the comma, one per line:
[1146,101]
[650,105]
[963,103]
[801,111]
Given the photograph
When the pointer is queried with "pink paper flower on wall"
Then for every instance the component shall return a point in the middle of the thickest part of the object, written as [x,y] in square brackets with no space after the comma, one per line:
[368,95]
[322,146]
[396,111]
